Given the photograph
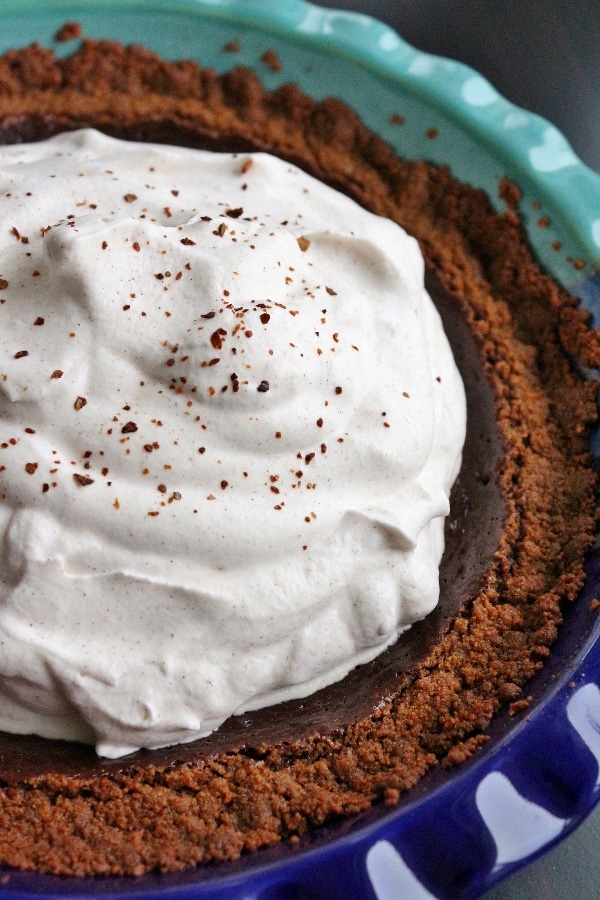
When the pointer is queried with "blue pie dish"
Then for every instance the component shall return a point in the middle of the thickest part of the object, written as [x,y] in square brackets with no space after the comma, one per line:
[460,832]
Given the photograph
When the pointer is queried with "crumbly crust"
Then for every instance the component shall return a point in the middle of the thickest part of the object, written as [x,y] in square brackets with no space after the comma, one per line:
[166,818]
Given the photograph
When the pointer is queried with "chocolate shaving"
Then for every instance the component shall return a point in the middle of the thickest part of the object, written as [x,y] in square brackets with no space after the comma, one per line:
[82,480]
[216,338]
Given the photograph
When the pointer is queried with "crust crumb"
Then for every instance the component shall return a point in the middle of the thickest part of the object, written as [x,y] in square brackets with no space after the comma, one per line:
[68,32]
[271,60]
[510,193]
[519,705]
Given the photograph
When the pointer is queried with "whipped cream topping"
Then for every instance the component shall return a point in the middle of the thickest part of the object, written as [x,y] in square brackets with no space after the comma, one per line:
[229,424]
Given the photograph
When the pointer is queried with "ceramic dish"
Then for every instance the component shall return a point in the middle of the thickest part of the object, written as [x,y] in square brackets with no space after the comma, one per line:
[457,833]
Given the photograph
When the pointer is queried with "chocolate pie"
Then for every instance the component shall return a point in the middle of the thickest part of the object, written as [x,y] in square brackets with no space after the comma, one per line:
[522,510]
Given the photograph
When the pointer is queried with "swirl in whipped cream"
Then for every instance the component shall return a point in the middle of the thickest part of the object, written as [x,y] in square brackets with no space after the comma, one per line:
[229,424]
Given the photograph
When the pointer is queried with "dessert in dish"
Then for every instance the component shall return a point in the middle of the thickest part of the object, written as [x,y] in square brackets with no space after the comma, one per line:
[234,424]
[522,509]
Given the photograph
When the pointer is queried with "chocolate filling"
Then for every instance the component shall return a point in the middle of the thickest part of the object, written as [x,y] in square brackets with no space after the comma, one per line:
[473,530]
